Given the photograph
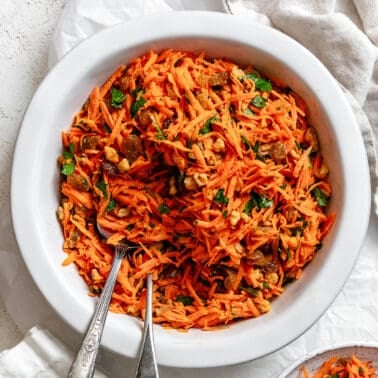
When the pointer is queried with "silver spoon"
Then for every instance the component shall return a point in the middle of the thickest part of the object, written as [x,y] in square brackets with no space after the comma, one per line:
[83,365]
[146,365]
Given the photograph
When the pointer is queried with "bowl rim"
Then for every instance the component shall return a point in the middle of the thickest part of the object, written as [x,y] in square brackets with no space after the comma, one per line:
[183,24]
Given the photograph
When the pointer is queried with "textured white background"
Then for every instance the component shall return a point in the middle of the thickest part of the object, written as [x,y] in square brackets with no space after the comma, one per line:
[25,31]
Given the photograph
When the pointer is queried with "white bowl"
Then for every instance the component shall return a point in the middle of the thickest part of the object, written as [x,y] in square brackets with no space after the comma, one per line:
[314,360]
[35,177]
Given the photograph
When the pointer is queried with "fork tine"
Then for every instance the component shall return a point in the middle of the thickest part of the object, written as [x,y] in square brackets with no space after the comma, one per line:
[132,247]
[101,230]
[129,246]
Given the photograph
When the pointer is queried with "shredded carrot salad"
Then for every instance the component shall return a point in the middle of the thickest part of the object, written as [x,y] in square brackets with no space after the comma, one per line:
[341,367]
[212,169]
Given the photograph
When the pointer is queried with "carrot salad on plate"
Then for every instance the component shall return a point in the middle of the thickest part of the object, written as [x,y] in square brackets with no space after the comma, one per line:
[343,367]
[212,169]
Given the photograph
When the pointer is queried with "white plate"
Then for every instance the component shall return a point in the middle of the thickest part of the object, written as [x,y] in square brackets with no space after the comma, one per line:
[35,176]
[313,361]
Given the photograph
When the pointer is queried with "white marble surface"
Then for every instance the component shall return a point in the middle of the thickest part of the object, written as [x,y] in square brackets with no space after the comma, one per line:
[25,30]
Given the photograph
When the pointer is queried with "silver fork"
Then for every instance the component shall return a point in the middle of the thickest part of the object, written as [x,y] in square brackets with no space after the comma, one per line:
[83,365]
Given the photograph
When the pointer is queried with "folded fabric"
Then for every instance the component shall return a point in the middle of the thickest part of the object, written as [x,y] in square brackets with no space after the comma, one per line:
[42,356]
[81,19]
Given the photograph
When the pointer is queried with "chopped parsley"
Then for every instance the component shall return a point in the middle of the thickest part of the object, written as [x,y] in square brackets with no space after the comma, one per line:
[163,209]
[68,166]
[159,132]
[260,83]
[299,229]
[71,147]
[138,90]
[251,204]
[256,200]
[118,98]
[256,147]
[256,150]
[220,197]
[130,226]
[181,178]
[139,101]
[248,145]
[263,85]
[248,112]
[258,102]
[207,128]
[186,300]
[250,290]
[102,186]
[320,196]
[136,105]
[298,145]
[107,128]
[111,205]
[285,255]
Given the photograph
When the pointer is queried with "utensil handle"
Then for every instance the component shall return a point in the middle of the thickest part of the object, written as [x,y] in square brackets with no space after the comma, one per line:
[146,365]
[84,364]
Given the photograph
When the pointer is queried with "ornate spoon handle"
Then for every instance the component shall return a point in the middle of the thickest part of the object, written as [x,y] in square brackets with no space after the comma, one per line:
[147,366]
[84,364]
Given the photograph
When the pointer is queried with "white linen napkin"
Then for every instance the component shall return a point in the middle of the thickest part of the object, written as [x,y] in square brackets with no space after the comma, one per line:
[344,36]
[38,355]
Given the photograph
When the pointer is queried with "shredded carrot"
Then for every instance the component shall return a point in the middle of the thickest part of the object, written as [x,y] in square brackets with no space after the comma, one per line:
[212,169]
[342,367]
